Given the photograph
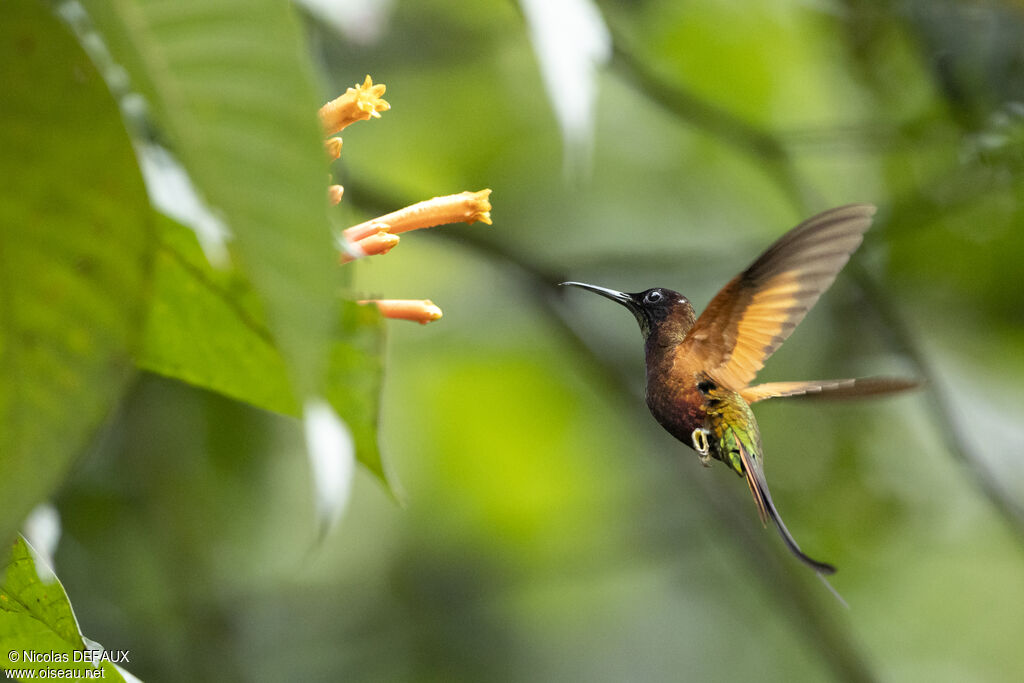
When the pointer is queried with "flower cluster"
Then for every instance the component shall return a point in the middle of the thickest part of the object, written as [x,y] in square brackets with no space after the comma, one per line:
[380,235]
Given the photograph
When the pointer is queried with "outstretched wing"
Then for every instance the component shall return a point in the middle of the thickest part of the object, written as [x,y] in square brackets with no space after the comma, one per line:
[750,318]
[828,388]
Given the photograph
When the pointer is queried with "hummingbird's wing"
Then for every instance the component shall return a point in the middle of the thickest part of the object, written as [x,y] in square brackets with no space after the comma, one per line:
[829,388]
[750,318]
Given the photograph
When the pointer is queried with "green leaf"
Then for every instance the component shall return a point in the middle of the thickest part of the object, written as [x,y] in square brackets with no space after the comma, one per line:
[229,83]
[75,255]
[354,380]
[206,328]
[36,619]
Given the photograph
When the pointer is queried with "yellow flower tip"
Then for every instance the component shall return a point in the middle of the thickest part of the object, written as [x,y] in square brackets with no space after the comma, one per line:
[369,97]
[378,244]
[373,93]
[479,204]
[431,312]
[333,148]
[358,103]
[421,311]
[385,240]
[334,194]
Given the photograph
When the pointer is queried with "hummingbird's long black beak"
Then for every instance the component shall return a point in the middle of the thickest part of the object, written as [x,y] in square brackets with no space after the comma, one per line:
[621,297]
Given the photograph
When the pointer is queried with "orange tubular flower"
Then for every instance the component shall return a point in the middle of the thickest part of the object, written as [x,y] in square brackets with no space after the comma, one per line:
[359,103]
[421,311]
[380,235]
[465,207]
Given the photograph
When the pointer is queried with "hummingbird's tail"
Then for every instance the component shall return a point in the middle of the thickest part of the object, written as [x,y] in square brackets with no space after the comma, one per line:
[766,508]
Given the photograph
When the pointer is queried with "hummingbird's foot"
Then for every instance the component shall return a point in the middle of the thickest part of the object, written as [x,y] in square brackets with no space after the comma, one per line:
[702,445]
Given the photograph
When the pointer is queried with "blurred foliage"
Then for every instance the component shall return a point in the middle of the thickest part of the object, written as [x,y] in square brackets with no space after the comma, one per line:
[205,327]
[205,70]
[75,257]
[551,531]
[38,618]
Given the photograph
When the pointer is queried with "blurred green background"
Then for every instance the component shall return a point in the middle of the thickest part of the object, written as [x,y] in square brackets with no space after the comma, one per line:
[550,530]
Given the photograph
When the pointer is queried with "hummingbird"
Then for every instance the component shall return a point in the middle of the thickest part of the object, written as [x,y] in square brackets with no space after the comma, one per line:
[699,370]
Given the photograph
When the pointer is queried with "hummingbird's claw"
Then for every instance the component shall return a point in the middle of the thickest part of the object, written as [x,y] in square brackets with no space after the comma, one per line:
[702,445]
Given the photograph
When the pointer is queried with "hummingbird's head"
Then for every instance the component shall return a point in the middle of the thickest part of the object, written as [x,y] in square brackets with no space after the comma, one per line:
[664,315]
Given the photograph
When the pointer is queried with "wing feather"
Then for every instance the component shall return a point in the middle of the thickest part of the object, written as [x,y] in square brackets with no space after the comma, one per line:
[831,388]
[748,320]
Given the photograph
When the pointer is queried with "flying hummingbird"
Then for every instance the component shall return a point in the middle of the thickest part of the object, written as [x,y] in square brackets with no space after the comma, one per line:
[699,370]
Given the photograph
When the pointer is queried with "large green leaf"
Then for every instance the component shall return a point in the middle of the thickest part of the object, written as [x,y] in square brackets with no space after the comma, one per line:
[206,327]
[354,380]
[36,619]
[75,255]
[228,81]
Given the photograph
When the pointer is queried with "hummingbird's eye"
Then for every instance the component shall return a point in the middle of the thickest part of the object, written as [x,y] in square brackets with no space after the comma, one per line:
[653,297]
